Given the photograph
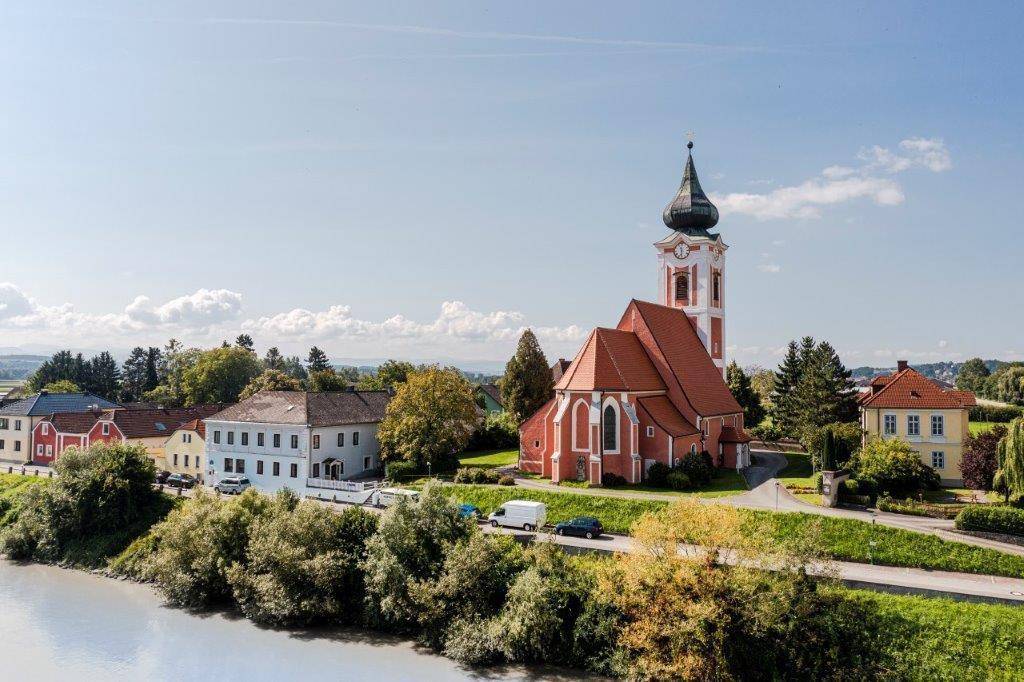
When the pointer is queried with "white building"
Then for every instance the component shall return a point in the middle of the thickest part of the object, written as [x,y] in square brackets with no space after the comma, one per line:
[297,440]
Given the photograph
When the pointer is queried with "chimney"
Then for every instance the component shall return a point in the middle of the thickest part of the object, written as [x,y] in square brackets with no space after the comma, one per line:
[43,392]
[901,365]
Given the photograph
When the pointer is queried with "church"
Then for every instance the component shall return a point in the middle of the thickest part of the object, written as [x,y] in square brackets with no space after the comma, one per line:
[651,388]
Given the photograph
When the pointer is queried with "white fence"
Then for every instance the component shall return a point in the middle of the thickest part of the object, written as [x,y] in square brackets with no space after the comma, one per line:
[344,486]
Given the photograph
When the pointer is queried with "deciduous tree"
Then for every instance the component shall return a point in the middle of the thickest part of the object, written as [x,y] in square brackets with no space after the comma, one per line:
[1010,458]
[972,374]
[979,463]
[270,380]
[219,375]
[62,386]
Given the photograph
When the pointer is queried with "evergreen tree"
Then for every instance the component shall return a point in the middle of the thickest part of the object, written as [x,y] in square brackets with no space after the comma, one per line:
[104,377]
[743,391]
[245,341]
[153,359]
[293,367]
[824,394]
[133,375]
[273,359]
[317,361]
[527,383]
[783,398]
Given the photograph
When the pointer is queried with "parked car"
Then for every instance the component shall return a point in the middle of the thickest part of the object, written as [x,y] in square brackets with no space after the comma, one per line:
[470,511]
[523,514]
[180,481]
[581,526]
[387,497]
[161,476]
[233,485]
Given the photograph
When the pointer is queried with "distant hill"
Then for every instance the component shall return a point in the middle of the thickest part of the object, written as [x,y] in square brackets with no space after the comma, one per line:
[19,366]
[942,371]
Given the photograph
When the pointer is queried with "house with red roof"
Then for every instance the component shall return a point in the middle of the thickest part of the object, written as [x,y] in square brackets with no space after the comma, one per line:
[932,418]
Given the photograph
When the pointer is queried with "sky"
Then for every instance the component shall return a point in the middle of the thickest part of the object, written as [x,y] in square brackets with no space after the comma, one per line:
[424,180]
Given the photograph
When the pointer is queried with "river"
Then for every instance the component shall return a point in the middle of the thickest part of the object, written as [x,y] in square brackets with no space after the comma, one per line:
[58,624]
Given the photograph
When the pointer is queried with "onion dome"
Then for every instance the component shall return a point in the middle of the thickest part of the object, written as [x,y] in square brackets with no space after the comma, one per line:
[690,210]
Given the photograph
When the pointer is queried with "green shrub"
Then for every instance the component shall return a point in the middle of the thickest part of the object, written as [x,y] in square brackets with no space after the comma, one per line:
[995,413]
[818,485]
[846,437]
[610,480]
[507,479]
[477,476]
[766,431]
[499,430]
[657,475]
[677,480]
[697,467]
[895,467]
[399,469]
[849,486]
[991,519]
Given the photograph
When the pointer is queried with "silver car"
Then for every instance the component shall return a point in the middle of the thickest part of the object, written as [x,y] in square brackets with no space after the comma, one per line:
[232,485]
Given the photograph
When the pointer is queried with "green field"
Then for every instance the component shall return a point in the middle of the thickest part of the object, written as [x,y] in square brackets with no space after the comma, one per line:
[842,539]
[489,459]
[980,427]
[725,483]
[798,472]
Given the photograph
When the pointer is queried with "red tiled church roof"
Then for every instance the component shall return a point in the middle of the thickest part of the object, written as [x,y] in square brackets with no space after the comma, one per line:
[665,415]
[733,435]
[908,389]
[611,359]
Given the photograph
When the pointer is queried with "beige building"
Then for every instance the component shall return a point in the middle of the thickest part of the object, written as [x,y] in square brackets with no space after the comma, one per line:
[931,418]
[19,418]
[185,449]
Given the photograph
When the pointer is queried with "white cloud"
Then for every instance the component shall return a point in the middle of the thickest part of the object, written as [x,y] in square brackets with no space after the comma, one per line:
[201,309]
[769,267]
[13,303]
[841,184]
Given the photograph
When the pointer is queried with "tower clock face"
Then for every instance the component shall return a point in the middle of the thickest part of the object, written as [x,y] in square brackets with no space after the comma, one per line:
[682,251]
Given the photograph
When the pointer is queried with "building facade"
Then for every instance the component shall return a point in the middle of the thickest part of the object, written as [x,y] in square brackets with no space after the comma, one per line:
[19,419]
[297,440]
[932,419]
[185,450]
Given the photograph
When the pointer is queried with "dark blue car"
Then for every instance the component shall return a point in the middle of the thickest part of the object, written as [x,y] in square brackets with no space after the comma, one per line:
[581,526]
[470,511]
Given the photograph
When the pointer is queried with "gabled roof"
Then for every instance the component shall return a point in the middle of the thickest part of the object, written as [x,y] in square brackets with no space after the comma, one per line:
[665,415]
[492,391]
[158,422]
[73,422]
[733,435]
[689,363]
[197,425]
[44,403]
[908,389]
[611,359]
[313,409]
[558,369]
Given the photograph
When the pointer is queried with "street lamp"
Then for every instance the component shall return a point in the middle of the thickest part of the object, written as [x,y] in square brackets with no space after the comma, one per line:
[871,538]
[428,468]
[776,496]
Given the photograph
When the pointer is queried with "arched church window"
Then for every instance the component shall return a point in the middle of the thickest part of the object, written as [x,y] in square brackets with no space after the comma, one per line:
[693,449]
[611,429]
[716,287]
[682,287]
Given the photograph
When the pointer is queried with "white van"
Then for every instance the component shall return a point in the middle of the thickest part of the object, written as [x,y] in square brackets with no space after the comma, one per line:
[520,514]
[387,497]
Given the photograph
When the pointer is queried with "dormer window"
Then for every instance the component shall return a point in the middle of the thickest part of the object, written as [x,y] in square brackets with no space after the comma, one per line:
[683,287]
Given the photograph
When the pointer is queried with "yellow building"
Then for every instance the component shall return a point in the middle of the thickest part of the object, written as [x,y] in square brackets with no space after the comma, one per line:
[932,419]
[185,449]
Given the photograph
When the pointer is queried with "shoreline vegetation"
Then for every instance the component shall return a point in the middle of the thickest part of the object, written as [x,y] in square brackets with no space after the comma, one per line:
[423,572]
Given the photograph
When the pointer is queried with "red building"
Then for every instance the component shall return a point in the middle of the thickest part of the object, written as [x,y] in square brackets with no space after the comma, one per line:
[652,388]
[57,432]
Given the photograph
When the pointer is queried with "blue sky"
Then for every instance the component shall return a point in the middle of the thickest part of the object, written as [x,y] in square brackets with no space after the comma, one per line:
[396,179]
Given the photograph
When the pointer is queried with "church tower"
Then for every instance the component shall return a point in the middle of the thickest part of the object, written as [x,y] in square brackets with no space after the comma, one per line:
[691,262]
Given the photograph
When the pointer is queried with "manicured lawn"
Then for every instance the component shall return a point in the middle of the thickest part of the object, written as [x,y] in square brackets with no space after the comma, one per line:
[798,472]
[843,539]
[979,427]
[926,638]
[725,483]
[489,458]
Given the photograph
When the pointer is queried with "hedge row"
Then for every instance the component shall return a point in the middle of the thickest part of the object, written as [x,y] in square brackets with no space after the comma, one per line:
[995,413]
[1007,520]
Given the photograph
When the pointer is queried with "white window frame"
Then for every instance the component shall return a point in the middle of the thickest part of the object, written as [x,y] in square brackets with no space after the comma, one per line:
[886,419]
[46,429]
[940,457]
[916,420]
[939,419]
[650,432]
[618,423]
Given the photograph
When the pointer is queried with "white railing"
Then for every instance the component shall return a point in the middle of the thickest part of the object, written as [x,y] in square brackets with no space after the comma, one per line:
[346,486]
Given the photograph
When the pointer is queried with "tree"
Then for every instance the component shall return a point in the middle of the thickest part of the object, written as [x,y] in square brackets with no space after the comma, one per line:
[175,361]
[1009,385]
[133,375]
[972,374]
[245,341]
[293,367]
[1010,458]
[389,375]
[786,381]
[219,376]
[62,386]
[273,359]
[762,381]
[894,467]
[326,380]
[270,380]
[749,400]
[317,360]
[104,376]
[527,383]
[430,419]
[979,463]
[153,362]
[61,367]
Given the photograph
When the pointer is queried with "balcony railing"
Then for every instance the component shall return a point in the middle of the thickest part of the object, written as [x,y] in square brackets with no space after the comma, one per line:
[345,486]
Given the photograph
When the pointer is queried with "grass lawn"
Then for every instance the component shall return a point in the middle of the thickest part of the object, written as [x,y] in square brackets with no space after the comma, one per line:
[979,427]
[489,459]
[844,539]
[725,483]
[798,472]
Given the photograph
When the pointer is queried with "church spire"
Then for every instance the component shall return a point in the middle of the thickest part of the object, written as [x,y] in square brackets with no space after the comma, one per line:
[690,211]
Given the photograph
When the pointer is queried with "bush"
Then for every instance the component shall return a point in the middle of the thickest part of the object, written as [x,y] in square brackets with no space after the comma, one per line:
[507,479]
[677,480]
[697,467]
[849,486]
[478,476]
[1006,520]
[818,485]
[399,469]
[766,431]
[610,480]
[895,467]
[995,413]
[498,431]
[657,475]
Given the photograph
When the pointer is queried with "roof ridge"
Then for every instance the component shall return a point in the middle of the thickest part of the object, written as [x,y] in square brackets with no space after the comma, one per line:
[573,365]
[893,379]
[657,344]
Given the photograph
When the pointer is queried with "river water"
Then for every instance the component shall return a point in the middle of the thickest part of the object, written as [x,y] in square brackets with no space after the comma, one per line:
[58,624]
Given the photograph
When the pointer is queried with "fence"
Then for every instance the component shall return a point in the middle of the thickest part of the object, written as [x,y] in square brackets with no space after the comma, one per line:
[344,486]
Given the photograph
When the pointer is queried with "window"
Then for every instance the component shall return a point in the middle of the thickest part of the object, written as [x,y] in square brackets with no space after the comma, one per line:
[716,287]
[316,470]
[183,437]
[650,432]
[682,287]
[1,444]
[17,446]
[341,440]
[231,437]
[186,461]
[277,440]
[295,442]
[938,460]
[366,463]
[316,443]
[46,429]
[3,424]
[611,441]
[229,465]
[39,450]
[216,436]
[175,459]
[259,467]
[890,425]
[913,425]
[49,451]
[239,466]
[260,440]
[294,470]
[106,428]
[938,425]
[536,444]
[277,468]
[17,425]
[693,449]
[340,467]
[245,437]
[355,438]
[197,461]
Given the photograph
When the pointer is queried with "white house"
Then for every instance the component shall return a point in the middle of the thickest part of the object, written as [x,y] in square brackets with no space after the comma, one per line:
[297,440]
